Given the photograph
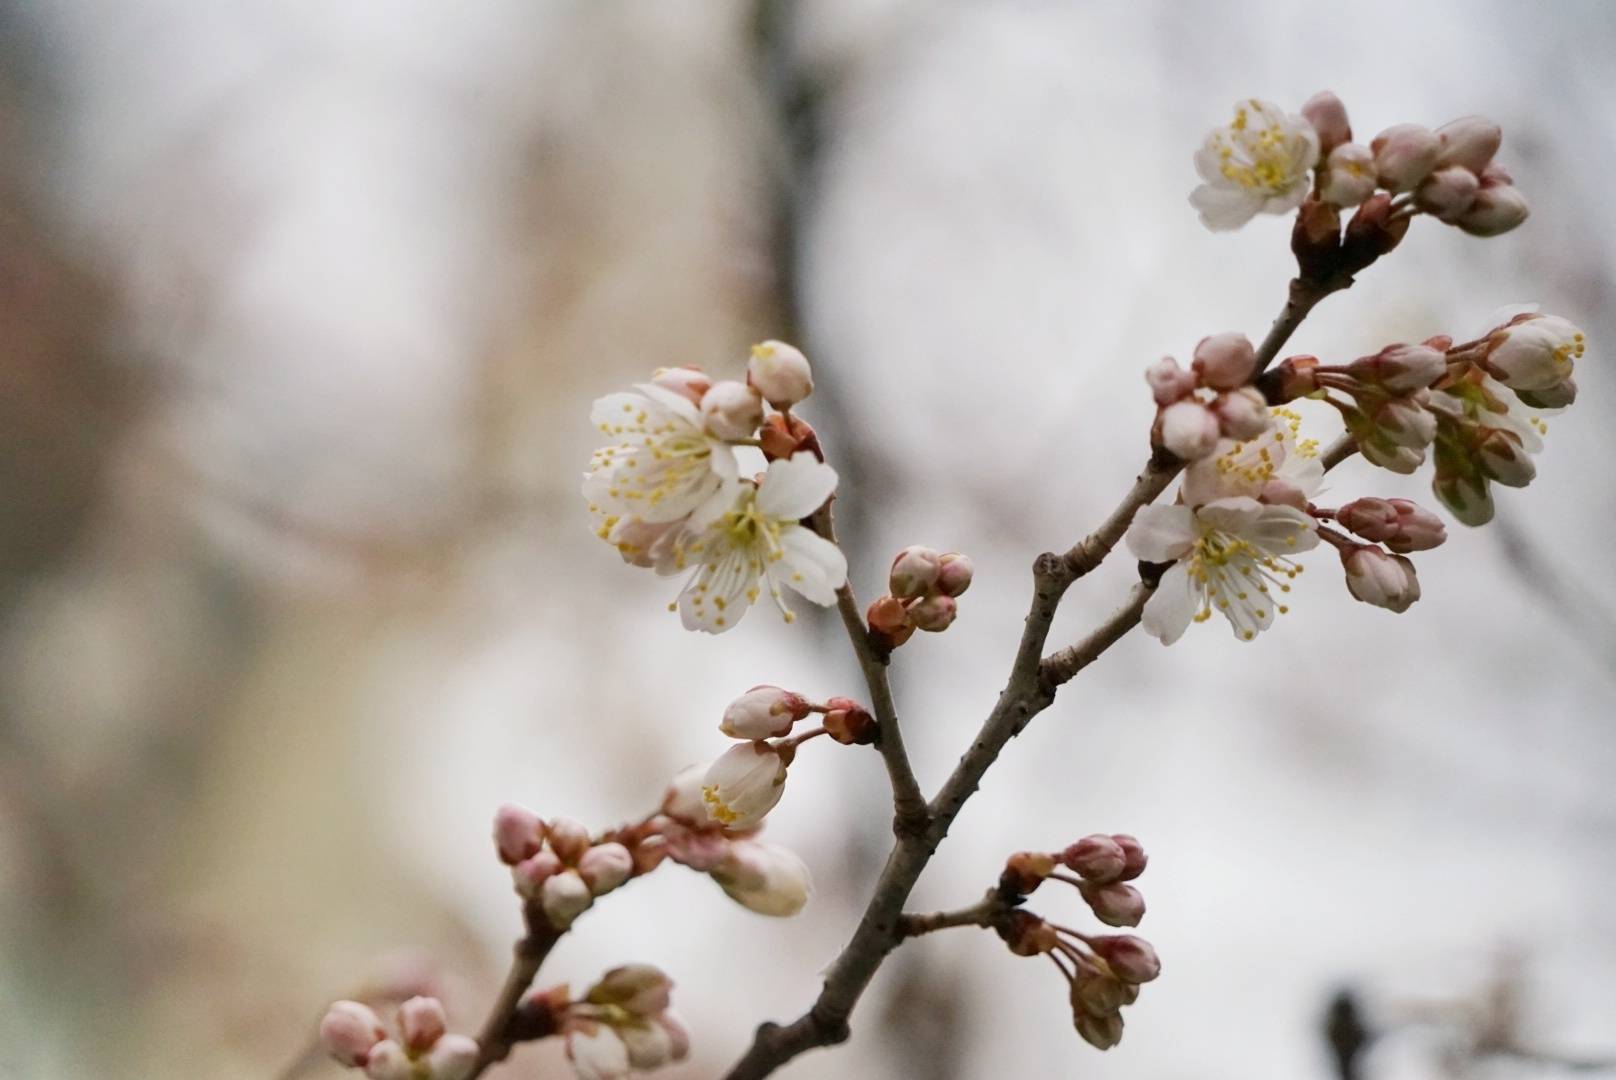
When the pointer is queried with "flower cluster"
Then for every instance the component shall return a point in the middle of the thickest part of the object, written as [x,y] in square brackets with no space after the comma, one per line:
[1189,425]
[1103,971]
[557,865]
[924,586]
[424,1050]
[668,494]
[621,1026]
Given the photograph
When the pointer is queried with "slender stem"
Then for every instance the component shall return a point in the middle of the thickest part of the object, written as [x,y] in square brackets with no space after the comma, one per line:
[499,1032]
[1338,451]
[1304,295]
[1059,668]
[1088,554]
[981,913]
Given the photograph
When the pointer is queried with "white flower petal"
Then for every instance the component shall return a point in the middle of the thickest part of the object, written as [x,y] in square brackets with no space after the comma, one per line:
[1232,515]
[795,487]
[1224,208]
[1161,533]
[1171,607]
[597,1054]
[811,565]
[1282,530]
[719,593]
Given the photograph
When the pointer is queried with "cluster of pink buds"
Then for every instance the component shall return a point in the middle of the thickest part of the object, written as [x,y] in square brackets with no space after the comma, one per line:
[1196,409]
[1382,576]
[621,1026]
[557,865]
[1103,971]
[1386,398]
[424,1050]
[924,586]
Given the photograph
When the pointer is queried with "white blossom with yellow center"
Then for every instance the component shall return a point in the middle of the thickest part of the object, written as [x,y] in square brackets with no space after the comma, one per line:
[1278,467]
[748,537]
[1259,163]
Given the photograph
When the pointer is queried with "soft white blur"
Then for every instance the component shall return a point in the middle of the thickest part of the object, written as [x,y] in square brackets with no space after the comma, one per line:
[304,307]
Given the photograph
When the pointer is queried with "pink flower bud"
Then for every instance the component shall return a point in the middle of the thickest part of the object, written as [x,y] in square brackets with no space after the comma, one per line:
[1496,210]
[1224,361]
[1096,993]
[1026,870]
[1469,142]
[1504,459]
[1169,382]
[1405,154]
[1130,958]
[764,878]
[1380,579]
[1100,1032]
[690,383]
[1405,421]
[452,1058]
[518,833]
[1447,193]
[389,1061]
[743,784]
[605,866]
[1242,413]
[1349,175]
[349,1031]
[1371,518]
[1400,369]
[848,722]
[640,990]
[914,572]
[1329,118]
[422,1023]
[1534,353]
[954,573]
[529,875]
[763,712]
[732,410]
[1189,431]
[564,897]
[1417,528]
[934,613]
[1133,852]
[1297,376]
[1097,858]
[780,373]
[889,618]
[569,839]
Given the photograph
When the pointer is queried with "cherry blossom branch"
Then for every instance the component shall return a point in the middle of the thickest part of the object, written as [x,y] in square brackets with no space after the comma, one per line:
[981,913]
[500,1031]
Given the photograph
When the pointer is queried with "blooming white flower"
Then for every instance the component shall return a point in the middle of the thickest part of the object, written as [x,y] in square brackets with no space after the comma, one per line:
[1258,163]
[743,784]
[1228,555]
[662,466]
[747,535]
[764,878]
[1277,467]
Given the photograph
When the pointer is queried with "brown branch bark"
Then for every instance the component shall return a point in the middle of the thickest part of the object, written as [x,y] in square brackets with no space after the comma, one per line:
[981,913]
[501,1031]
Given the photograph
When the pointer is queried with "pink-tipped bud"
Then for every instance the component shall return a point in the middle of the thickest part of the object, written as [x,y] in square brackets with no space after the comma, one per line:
[390,1061]
[1025,871]
[569,839]
[606,866]
[452,1058]
[689,383]
[954,572]
[1169,382]
[1405,154]
[1116,904]
[914,572]
[1242,414]
[1100,1032]
[349,1031]
[889,618]
[1225,361]
[1371,518]
[1329,118]
[1133,854]
[1496,211]
[1297,376]
[934,613]
[1469,143]
[1349,175]
[848,722]
[529,875]
[1447,193]
[732,410]
[780,372]
[1417,528]
[1189,431]
[1380,579]
[518,833]
[1097,993]
[763,712]
[1405,421]
[422,1023]
[1130,958]
[1026,934]
[1096,858]
[564,897]
[1401,369]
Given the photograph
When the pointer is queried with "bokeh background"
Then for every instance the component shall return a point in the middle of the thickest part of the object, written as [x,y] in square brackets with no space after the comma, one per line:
[301,309]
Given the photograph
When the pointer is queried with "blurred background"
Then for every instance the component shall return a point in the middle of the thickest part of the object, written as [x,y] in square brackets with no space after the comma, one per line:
[302,306]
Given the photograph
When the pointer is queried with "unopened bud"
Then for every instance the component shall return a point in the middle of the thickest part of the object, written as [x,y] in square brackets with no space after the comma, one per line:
[452,1058]
[1097,858]
[1026,934]
[954,573]
[1115,904]
[1504,459]
[764,878]
[1169,382]
[1130,958]
[1025,871]
[1405,154]
[529,875]
[1133,853]
[349,1031]
[1097,993]
[1400,369]
[605,866]
[1558,396]
[1100,1032]
[389,1061]
[763,712]
[1380,579]
[1373,231]
[1405,421]
[422,1023]
[1417,528]
[743,784]
[934,613]
[732,410]
[564,897]
[518,833]
[1349,175]
[1469,142]
[914,572]
[1535,353]
[1371,518]
[1447,193]
[848,722]
[1224,361]
[1242,414]
[1189,431]
[638,989]
[1496,210]
[1329,118]
[569,839]
[780,372]
[689,383]
[783,435]
[682,800]
[889,618]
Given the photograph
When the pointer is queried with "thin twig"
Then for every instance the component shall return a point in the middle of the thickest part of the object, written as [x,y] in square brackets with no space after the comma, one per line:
[499,1032]
[981,913]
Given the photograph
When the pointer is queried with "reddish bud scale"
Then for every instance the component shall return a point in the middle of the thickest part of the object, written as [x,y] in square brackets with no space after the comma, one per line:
[1371,233]
[1025,871]
[848,722]
[782,435]
[1026,934]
